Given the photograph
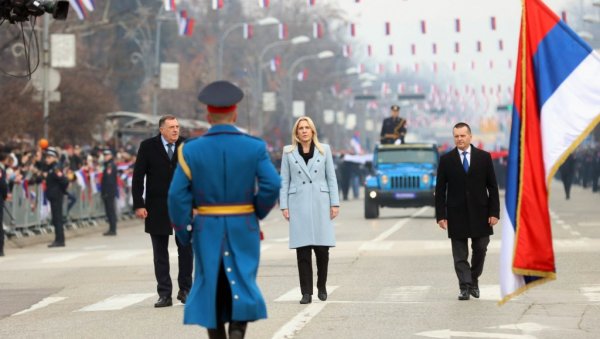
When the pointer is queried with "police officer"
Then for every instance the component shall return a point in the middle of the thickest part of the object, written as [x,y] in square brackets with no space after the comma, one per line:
[3,196]
[56,188]
[393,127]
[108,191]
[228,180]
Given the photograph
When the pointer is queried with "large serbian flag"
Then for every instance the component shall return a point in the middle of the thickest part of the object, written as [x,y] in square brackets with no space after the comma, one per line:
[556,105]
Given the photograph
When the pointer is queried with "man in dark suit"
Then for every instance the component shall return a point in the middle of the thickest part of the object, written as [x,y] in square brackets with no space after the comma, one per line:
[156,160]
[467,205]
[108,191]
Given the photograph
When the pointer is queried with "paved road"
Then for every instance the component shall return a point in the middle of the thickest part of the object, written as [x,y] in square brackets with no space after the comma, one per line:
[389,278]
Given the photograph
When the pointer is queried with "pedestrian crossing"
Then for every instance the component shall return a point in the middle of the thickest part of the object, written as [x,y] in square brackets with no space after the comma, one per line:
[390,295]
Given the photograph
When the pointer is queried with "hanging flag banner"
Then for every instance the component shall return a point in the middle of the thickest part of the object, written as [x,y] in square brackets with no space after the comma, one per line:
[263,3]
[457,25]
[347,51]
[352,28]
[493,23]
[169,5]
[217,4]
[423,27]
[248,31]
[317,30]
[388,28]
[391,50]
[283,31]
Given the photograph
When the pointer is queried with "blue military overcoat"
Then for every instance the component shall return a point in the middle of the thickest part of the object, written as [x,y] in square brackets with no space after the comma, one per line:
[224,167]
[308,191]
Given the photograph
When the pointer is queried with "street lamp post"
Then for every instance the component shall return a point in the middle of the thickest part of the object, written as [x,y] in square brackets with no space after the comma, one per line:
[294,41]
[262,22]
[321,55]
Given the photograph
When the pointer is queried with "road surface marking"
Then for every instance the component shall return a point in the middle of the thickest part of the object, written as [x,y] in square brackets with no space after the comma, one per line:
[61,257]
[125,255]
[117,302]
[592,293]
[294,326]
[524,327]
[588,224]
[294,294]
[264,248]
[91,248]
[41,304]
[403,293]
[447,333]
[376,244]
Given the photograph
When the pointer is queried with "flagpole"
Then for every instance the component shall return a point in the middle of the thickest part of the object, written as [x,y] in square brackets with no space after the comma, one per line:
[157,62]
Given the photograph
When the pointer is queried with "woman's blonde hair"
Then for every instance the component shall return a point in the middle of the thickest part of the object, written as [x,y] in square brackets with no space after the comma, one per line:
[315,139]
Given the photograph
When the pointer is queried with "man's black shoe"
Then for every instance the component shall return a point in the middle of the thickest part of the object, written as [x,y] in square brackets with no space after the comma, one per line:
[474,292]
[1,254]
[164,302]
[56,244]
[306,299]
[109,233]
[464,294]
[322,294]
[182,296]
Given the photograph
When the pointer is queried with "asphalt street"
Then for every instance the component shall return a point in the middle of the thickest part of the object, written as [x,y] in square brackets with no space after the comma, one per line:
[388,278]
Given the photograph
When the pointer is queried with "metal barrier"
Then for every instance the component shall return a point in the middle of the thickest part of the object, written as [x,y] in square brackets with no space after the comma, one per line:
[28,213]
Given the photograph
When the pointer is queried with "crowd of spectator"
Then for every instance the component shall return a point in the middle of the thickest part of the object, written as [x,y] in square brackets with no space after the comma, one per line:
[81,164]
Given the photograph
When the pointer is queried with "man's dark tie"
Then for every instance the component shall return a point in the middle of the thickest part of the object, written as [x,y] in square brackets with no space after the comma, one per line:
[465,161]
[170,151]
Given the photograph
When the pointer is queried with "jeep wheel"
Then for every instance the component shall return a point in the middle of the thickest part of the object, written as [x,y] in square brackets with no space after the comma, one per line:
[371,209]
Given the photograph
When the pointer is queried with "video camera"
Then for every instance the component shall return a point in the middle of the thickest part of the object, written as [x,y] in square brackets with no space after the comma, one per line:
[21,10]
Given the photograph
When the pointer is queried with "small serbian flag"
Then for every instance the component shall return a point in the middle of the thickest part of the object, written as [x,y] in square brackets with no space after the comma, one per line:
[388,28]
[457,25]
[556,105]
[263,3]
[352,29]
[423,27]
[493,23]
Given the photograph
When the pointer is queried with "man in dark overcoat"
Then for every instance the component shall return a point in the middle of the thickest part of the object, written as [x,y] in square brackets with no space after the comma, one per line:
[467,205]
[156,161]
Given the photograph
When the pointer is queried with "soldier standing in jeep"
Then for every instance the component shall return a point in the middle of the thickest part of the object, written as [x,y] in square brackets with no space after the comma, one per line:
[393,127]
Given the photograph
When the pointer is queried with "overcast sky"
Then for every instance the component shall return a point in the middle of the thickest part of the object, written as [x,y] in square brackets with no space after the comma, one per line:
[405,17]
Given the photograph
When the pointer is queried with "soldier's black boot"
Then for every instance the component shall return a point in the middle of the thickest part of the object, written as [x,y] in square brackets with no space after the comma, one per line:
[237,329]
[217,333]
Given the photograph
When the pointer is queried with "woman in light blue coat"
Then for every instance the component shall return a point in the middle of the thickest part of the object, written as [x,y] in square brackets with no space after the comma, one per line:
[309,201]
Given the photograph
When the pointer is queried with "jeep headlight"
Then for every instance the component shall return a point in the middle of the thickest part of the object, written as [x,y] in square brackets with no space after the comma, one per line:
[384,179]
[425,179]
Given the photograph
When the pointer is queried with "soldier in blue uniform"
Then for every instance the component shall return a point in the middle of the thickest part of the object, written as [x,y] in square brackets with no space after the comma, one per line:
[223,184]
[393,127]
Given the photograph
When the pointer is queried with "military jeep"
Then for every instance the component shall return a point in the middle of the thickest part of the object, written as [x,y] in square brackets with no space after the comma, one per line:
[401,176]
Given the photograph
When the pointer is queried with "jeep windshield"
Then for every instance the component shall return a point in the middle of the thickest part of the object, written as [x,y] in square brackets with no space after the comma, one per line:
[418,156]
